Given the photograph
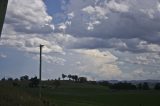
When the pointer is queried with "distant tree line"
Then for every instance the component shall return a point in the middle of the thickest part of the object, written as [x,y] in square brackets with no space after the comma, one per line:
[33,82]
[74,78]
[129,86]
[157,86]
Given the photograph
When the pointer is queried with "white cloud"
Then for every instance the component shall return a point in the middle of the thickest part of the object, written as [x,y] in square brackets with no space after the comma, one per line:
[49,46]
[91,26]
[89,10]
[51,59]
[70,15]
[149,12]
[2,55]
[62,27]
[158,7]
[28,25]
[123,20]
[28,16]
[98,64]
[96,54]
[63,39]
[31,43]
[117,7]
[92,15]
[149,47]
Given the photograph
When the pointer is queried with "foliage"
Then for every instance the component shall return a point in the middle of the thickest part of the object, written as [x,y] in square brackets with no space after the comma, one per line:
[71,77]
[10,79]
[123,86]
[3,79]
[104,83]
[157,86]
[139,86]
[64,76]
[145,86]
[34,82]
[24,78]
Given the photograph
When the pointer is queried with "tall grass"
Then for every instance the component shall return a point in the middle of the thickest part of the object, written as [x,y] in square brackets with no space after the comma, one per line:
[75,94]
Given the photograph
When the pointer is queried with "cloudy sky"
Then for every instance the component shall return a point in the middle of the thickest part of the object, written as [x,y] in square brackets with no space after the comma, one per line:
[99,39]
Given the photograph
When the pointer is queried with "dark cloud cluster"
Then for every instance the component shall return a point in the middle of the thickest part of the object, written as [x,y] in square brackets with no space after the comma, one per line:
[120,24]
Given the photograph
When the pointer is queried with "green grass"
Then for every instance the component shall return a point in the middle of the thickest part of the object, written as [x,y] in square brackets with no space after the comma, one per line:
[76,94]
[18,96]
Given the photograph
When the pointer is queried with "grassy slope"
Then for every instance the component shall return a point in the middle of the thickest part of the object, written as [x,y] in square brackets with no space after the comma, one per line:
[18,96]
[69,94]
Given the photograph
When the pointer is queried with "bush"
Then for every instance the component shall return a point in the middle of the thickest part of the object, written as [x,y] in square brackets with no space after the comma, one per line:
[57,83]
[123,86]
[145,86]
[34,82]
[157,86]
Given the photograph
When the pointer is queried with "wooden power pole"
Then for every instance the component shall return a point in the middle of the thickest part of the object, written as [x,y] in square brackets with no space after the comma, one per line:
[40,69]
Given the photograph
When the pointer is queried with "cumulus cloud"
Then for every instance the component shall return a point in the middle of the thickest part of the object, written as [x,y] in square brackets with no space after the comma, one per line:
[98,64]
[27,25]
[149,47]
[107,56]
[51,59]
[28,16]
[109,39]
[149,59]
[124,21]
[30,43]
[118,6]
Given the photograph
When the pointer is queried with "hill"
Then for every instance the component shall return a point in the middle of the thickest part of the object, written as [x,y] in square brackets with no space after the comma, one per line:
[75,94]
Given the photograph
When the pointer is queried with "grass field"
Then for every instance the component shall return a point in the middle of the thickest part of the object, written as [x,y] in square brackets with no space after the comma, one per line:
[76,94]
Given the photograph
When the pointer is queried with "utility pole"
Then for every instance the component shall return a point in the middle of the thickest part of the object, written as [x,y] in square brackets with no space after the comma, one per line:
[40,69]
[40,63]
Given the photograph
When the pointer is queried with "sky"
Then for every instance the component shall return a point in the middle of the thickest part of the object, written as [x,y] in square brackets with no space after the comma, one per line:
[97,39]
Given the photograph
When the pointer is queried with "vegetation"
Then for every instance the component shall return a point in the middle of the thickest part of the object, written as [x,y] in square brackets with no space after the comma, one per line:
[74,93]
[34,82]
[157,86]
[14,93]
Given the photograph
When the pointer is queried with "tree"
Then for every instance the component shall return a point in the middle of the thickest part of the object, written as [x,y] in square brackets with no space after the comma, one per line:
[123,86]
[3,79]
[64,76]
[139,86]
[76,78]
[16,79]
[104,83]
[69,76]
[59,78]
[34,82]
[24,78]
[145,86]
[10,79]
[157,86]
